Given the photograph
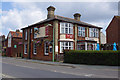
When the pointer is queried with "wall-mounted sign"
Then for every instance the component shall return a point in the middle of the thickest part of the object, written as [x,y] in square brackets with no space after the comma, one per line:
[41,31]
[69,36]
[20,43]
[15,46]
[56,48]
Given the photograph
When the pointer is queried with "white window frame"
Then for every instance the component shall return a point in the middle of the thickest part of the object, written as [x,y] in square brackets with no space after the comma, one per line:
[9,40]
[81,31]
[31,30]
[66,28]
[63,46]
[46,54]
[25,34]
[25,48]
[50,47]
[35,49]
[94,32]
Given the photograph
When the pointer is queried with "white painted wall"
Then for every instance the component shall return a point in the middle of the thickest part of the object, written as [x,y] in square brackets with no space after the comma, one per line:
[103,38]
[9,39]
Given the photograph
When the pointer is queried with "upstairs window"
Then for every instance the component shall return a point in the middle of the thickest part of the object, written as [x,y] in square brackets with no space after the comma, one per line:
[94,32]
[81,31]
[25,34]
[66,28]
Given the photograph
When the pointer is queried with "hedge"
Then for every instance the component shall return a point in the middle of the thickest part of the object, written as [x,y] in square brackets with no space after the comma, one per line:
[106,57]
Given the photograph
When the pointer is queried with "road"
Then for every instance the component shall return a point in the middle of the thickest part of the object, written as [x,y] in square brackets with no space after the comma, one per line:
[16,68]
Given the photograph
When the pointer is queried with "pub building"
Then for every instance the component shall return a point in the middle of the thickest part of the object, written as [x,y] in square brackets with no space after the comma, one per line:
[47,39]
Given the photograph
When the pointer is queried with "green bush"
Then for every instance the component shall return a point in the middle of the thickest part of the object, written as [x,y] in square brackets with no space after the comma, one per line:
[106,57]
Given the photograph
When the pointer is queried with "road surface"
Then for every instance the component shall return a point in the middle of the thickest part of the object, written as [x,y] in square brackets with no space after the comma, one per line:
[16,68]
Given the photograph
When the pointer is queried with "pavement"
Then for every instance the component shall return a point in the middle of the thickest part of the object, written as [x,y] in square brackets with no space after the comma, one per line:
[63,69]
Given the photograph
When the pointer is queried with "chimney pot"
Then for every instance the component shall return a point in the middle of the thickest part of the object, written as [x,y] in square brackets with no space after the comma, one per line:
[17,30]
[77,16]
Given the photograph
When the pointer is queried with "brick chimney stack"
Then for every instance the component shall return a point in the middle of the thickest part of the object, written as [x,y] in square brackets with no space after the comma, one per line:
[77,16]
[50,10]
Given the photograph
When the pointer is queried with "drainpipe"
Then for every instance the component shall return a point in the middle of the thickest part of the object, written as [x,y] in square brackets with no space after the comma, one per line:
[53,44]
[29,43]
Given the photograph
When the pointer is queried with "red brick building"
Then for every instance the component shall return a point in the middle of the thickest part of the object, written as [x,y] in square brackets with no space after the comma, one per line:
[2,38]
[47,39]
[113,32]
[13,44]
[4,46]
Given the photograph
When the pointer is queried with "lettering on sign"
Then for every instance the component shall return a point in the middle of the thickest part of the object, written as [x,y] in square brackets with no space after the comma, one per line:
[69,36]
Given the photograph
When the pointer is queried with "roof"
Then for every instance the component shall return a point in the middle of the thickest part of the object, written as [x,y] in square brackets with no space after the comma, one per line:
[64,19]
[16,34]
[115,17]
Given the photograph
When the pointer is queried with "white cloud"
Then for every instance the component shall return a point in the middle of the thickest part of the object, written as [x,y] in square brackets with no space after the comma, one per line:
[60,0]
[18,18]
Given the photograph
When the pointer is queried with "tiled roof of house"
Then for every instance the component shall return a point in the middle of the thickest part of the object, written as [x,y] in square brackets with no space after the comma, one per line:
[16,34]
[115,17]
[64,19]
[75,21]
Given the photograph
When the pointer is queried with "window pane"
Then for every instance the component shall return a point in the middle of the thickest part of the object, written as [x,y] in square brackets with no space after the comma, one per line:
[81,31]
[66,30]
[66,45]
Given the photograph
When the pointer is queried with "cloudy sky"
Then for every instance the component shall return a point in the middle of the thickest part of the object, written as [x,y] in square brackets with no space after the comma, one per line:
[16,15]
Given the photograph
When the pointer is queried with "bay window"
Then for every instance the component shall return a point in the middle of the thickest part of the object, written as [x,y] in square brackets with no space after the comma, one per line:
[66,28]
[94,32]
[81,31]
[86,46]
[91,46]
[66,45]
[81,46]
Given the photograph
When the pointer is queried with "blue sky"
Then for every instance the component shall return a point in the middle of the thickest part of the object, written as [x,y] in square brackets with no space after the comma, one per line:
[16,15]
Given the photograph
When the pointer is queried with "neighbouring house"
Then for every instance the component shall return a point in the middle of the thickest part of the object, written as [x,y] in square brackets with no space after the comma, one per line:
[113,33]
[2,38]
[14,44]
[47,39]
[4,47]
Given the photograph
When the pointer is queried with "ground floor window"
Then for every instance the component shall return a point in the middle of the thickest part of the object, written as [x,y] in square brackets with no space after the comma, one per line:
[25,49]
[35,49]
[86,46]
[81,46]
[46,49]
[91,46]
[66,45]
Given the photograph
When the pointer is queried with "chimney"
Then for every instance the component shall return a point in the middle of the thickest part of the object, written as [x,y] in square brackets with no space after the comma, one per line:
[50,10]
[17,30]
[77,16]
